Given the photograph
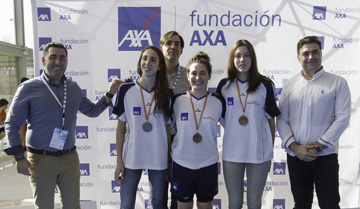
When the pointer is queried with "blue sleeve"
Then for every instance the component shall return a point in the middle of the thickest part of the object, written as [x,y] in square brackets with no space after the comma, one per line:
[270,103]
[119,104]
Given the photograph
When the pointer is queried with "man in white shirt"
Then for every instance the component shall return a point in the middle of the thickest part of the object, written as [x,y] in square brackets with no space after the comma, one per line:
[315,110]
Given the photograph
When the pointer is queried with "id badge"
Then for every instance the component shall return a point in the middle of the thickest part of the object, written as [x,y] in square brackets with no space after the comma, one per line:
[58,139]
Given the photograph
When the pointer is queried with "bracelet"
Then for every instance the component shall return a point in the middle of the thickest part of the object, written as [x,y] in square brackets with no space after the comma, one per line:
[317,147]
[109,95]
[19,157]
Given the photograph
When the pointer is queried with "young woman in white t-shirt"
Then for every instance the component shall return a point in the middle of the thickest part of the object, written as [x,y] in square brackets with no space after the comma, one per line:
[143,105]
[249,126]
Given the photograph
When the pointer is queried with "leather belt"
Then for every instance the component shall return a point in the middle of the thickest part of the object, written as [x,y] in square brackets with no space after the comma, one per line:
[56,154]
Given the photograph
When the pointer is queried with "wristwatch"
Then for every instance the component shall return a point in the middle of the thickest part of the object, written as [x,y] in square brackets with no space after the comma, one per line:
[109,95]
[317,147]
[19,157]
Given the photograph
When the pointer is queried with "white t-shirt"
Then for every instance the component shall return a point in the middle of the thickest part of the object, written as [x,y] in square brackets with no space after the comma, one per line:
[185,151]
[251,143]
[142,150]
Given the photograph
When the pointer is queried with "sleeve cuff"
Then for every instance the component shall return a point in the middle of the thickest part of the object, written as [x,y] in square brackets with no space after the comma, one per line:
[15,150]
[289,140]
[326,142]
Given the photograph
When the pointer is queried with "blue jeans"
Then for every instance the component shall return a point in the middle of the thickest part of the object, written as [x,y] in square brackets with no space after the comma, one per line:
[234,181]
[324,172]
[129,187]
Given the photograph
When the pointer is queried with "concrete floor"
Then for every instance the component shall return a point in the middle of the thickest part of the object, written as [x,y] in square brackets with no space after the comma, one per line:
[15,189]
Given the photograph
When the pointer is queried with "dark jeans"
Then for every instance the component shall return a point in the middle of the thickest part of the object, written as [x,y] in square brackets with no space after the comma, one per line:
[324,172]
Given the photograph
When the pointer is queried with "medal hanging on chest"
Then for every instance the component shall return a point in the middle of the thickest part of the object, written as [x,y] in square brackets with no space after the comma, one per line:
[197,138]
[243,120]
[147,126]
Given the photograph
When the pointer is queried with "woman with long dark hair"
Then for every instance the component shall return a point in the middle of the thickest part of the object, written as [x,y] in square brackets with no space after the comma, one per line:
[249,126]
[144,106]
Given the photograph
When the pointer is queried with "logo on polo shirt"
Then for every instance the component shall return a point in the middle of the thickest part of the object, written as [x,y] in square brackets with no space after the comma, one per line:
[81,132]
[137,110]
[219,167]
[44,13]
[184,116]
[84,169]
[216,203]
[138,27]
[319,13]
[245,185]
[111,115]
[43,41]
[322,40]
[279,204]
[113,74]
[56,189]
[145,172]
[230,101]
[115,186]
[113,151]
[175,186]
[279,168]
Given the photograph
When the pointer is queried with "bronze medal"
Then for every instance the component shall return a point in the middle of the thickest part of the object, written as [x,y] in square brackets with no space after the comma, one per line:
[243,120]
[147,127]
[197,138]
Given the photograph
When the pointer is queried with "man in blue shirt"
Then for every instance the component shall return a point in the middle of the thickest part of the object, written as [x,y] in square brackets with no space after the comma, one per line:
[50,104]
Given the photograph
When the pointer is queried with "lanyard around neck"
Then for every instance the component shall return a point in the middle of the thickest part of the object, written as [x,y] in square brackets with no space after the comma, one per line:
[142,97]
[247,94]
[57,99]
[177,78]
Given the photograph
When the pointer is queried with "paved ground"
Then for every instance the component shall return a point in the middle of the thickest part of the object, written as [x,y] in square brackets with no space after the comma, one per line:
[14,188]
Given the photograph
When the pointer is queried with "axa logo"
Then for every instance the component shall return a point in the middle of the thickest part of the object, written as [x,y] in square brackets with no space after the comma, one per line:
[43,41]
[138,27]
[216,203]
[44,13]
[113,151]
[113,74]
[112,116]
[81,132]
[115,186]
[145,172]
[84,169]
[277,93]
[230,101]
[184,116]
[84,91]
[319,13]
[279,168]
[279,204]
[137,110]
[322,40]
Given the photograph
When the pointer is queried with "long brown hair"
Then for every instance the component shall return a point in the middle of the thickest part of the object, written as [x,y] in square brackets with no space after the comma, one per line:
[254,77]
[162,96]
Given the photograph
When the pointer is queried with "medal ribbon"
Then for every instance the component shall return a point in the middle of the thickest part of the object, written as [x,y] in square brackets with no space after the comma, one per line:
[142,97]
[63,106]
[197,125]
[247,94]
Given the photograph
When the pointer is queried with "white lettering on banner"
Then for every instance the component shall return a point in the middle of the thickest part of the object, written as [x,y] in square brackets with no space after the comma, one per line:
[235,20]
[136,38]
